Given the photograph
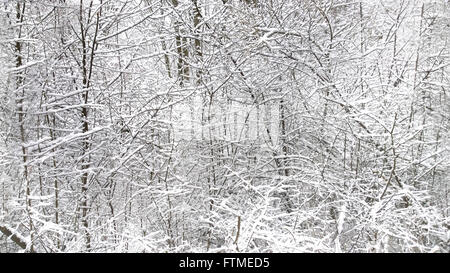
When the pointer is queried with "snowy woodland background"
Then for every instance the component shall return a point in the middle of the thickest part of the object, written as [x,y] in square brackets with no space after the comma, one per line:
[224,126]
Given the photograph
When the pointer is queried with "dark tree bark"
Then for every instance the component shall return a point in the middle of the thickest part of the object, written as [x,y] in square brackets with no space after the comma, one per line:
[16,239]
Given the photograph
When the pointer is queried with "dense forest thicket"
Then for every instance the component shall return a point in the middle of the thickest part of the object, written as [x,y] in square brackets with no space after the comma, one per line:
[224,126]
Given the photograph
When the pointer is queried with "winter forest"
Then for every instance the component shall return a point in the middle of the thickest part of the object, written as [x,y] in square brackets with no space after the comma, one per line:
[224,126]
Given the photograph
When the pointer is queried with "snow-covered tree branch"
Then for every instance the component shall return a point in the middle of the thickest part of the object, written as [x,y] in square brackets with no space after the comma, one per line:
[224,126]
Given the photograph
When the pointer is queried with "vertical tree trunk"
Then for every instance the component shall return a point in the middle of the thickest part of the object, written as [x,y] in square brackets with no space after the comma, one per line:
[20,10]
[87,61]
